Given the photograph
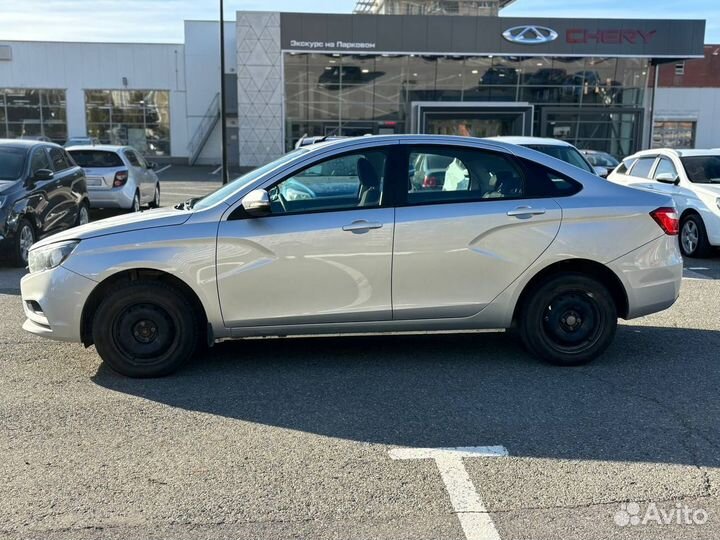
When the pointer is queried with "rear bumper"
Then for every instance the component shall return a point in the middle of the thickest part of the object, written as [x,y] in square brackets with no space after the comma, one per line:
[651,275]
[53,302]
[113,197]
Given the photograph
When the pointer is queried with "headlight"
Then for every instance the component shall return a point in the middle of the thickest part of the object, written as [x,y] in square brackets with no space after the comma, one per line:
[50,256]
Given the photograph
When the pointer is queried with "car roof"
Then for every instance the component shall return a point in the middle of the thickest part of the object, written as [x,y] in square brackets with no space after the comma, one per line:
[25,143]
[675,152]
[530,140]
[101,147]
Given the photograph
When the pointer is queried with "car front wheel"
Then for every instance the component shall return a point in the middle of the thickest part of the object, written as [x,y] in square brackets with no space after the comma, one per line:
[145,329]
[693,237]
[24,239]
[568,320]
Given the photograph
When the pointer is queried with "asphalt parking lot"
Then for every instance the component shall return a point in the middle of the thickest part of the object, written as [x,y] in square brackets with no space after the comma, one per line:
[294,438]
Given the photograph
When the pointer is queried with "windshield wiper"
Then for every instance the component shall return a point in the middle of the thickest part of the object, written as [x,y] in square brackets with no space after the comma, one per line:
[187,205]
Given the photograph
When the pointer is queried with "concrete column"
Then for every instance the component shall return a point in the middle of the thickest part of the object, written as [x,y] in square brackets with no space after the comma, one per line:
[260,102]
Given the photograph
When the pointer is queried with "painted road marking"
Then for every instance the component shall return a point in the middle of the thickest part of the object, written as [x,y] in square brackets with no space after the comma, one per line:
[165,168]
[474,518]
[217,170]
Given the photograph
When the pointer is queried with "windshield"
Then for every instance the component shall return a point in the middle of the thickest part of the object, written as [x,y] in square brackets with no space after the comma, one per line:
[568,154]
[12,163]
[96,158]
[239,183]
[702,169]
[602,160]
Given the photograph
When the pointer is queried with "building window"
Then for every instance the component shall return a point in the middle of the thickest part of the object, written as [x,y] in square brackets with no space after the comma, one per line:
[138,118]
[680,68]
[674,134]
[33,113]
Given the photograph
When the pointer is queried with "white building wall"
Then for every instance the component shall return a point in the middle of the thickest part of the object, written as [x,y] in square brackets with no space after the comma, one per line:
[76,67]
[701,105]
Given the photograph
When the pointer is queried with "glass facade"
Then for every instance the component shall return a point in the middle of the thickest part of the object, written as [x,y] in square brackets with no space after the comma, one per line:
[674,134]
[33,113]
[595,103]
[139,118]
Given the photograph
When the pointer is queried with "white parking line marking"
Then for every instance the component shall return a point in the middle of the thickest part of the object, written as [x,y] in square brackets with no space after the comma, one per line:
[474,518]
[165,168]
[217,170]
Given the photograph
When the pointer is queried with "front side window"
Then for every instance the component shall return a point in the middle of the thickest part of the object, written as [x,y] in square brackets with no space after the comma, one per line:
[665,166]
[39,160]
[59,161]
[642,167]
[702,169]
[350,181]
[440,174]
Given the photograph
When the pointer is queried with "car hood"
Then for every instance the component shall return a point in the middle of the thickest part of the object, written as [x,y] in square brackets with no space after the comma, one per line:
[163,217]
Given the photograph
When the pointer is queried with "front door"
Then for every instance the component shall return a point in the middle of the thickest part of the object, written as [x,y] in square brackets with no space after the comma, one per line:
[323,254]
[460,241]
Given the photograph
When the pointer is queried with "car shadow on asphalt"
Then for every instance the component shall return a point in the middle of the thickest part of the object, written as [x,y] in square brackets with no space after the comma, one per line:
[653,396]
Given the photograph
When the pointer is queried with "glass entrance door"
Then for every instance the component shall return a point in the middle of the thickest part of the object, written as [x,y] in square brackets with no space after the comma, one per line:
[472,120]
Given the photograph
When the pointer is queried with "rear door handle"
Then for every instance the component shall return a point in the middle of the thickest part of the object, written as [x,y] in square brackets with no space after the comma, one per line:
[362,226]
[525,212]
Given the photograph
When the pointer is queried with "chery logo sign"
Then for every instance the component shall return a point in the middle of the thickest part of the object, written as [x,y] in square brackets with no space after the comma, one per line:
[530,35]
[615,36]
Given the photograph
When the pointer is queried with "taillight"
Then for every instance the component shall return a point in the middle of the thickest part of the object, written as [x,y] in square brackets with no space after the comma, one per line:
[120,178]
[429,181]
[668,219]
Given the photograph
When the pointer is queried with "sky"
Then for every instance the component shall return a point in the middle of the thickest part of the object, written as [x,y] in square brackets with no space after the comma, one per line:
[161,21]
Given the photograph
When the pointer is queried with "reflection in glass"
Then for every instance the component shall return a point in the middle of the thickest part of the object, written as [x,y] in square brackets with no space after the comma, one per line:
[139,118]
[33,113]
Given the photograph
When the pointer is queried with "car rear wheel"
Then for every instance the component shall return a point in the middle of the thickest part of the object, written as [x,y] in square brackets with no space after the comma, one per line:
[156,199]
[24,239]
[693,237]
[145,330]
[135,206]
[568,320]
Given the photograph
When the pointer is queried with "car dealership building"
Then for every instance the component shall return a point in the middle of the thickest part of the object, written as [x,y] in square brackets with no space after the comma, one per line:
[589,81]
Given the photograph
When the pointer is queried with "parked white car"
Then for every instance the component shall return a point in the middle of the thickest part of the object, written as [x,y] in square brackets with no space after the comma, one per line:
[117,177]
[692,179]
[528,240]
[556,148]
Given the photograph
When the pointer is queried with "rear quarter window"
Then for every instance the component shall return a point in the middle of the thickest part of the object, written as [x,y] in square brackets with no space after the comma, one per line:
[96,158]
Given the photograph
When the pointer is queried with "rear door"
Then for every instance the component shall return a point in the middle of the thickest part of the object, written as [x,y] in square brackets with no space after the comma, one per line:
[640,174]
[457,248]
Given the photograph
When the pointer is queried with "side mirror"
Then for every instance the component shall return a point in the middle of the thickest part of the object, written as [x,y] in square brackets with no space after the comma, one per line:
[151,165]
[668,178]
[257,203]
[43,174]
[601,171]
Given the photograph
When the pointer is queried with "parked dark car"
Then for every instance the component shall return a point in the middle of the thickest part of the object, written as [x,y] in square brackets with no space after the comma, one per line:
[42,191]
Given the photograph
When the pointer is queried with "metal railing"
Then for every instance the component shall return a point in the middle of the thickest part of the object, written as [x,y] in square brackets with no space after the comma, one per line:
[203,131]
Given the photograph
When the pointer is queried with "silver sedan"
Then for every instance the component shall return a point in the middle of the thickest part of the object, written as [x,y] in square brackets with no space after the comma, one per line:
[337,238]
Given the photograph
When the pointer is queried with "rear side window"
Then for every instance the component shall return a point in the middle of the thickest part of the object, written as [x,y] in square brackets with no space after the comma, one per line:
[461,174]
[544,182]
[59,160]
[132,158]
[642,167]
[96,158]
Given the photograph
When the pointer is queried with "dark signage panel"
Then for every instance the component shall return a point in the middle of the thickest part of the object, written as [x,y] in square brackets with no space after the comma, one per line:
[519,36]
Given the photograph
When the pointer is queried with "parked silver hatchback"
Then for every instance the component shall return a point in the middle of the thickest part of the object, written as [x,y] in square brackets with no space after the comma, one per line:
[337,238]
[117,177]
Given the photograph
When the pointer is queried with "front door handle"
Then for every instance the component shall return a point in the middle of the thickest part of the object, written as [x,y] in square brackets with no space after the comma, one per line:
[361,226]
[524,212]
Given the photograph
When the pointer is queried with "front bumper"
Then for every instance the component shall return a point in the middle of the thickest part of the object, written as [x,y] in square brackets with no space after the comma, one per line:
[651,275]
[53,301]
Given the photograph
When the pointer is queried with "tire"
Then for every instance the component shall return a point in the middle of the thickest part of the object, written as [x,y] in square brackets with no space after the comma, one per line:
[145,329]
[83,214]
[24,238]
[135,204]
[693,237]
[581,326]
[155,203]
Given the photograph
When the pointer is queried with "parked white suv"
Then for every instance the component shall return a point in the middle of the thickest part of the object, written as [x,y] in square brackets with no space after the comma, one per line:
[526,240]
[117,177]
[692,179]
